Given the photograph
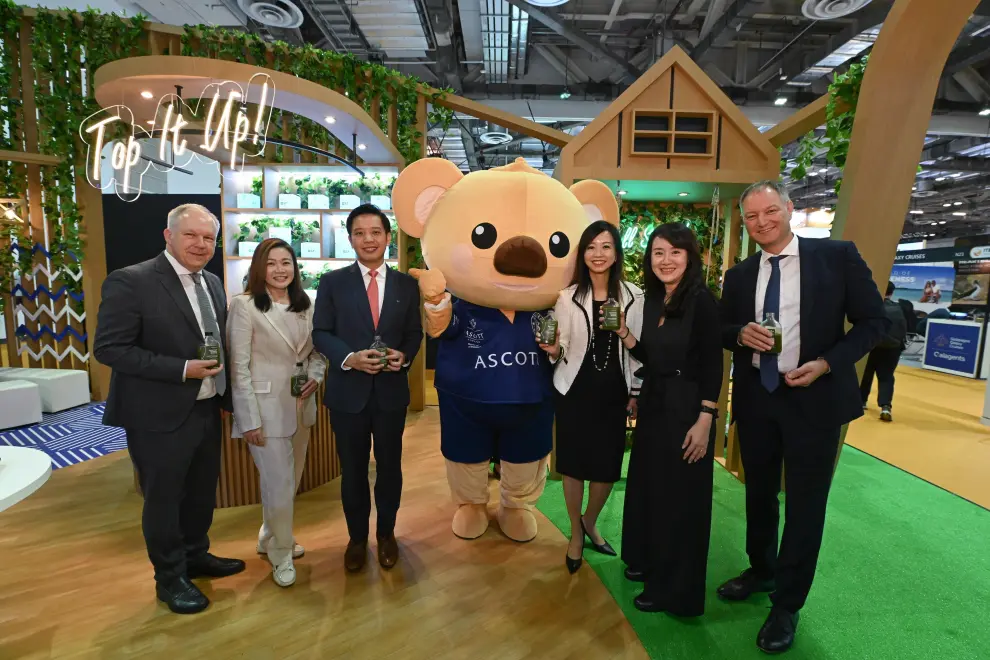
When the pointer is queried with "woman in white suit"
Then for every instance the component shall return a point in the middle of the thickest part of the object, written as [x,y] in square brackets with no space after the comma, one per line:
[270,330]
[596,383]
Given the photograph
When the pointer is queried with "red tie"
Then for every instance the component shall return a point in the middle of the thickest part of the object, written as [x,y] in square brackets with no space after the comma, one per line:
[373,296]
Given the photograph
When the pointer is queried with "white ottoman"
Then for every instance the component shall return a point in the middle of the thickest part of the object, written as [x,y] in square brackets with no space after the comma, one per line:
[22,471]
[20,403]
[61,389]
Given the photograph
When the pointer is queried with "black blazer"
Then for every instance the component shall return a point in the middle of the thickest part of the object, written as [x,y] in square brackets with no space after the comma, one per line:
[145,332]
[836,284]
[342,325]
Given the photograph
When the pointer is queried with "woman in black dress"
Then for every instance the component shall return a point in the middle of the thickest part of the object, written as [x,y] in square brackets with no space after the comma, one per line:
[668,508]
[594,382]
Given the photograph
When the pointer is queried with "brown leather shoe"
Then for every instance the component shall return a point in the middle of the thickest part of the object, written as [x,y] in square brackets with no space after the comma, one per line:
[355,555]
[388,551]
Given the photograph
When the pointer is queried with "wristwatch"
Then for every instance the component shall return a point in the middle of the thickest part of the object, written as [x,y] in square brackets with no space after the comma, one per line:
[711,411]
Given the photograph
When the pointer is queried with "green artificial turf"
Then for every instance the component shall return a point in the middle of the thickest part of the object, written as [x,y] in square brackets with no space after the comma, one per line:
[904,573]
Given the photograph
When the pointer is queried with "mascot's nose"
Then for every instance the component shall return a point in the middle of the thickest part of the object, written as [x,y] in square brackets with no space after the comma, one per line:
[521,256]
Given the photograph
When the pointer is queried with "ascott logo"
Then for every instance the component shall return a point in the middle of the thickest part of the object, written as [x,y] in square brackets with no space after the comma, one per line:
[980,252]
[508,359]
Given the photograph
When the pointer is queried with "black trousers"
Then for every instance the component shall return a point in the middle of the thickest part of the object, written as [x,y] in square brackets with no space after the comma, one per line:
[777,438]
[354,434]
[882,362]
[178,473]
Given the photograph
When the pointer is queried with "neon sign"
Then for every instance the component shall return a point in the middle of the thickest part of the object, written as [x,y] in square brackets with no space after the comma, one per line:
[228,121]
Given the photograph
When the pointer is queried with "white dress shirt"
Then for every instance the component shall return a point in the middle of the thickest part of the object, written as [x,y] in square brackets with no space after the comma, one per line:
[366,276]
[790,304]
[208,388]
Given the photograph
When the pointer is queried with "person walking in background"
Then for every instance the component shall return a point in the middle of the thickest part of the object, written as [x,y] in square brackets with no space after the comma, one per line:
[666,524]
[594,383]
[270,339]
[367,392]
[884,358]
[790,404]
[153,320]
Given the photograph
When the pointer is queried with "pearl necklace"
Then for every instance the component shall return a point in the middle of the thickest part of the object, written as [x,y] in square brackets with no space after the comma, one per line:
[608,351]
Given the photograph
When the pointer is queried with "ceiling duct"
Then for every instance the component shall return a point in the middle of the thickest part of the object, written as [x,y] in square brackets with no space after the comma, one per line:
[824,10]
[273,13]
[504,39]
[393,27]
[847,51]
[924,188]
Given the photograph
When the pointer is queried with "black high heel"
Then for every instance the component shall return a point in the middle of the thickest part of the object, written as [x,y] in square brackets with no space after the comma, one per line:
[573,564]
[604,548]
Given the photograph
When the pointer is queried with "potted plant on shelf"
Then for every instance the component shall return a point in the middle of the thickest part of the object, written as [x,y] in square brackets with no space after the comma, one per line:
[288,195]
[335,189]
[350,196]
[305,239]
[317,194]
[245,246]
[381,192]
[251,200]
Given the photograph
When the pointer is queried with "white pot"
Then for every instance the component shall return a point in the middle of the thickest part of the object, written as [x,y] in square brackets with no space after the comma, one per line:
[383,202]
[348,202]
[289,201]
[248,201]
[341,246]
[246,248]
[309,250]
[285,233]
[317,201]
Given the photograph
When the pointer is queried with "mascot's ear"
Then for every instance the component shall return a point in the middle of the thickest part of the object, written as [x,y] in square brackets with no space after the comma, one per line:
[418,188]
[598,201]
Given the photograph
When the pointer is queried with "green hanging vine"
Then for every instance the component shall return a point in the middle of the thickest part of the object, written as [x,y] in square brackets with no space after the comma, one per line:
[844,95]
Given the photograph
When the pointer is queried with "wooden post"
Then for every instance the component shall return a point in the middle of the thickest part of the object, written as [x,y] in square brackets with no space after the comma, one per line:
[94,265]
[892,117]
[417,371]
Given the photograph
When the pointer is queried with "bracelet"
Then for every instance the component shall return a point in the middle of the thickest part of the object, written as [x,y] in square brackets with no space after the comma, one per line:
[626,335]
[711,411]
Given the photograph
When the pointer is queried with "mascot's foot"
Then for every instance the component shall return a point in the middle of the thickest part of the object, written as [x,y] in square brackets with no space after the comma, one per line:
[518,524]
[470,521]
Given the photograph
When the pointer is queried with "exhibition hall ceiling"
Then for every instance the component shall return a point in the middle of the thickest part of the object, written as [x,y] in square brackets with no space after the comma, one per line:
[561,62]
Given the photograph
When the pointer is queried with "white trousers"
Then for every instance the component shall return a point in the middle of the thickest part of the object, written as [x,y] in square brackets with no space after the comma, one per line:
[280,465]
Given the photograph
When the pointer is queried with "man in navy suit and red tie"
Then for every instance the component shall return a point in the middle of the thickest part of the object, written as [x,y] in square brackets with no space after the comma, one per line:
[367,395]
[790,405]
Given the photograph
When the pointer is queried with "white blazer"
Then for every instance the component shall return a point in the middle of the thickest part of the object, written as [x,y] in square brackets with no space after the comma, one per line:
[574,323]
[262,361]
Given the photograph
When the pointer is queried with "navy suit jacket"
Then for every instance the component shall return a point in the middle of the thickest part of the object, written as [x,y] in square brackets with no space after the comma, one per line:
[342,324]
[836,285]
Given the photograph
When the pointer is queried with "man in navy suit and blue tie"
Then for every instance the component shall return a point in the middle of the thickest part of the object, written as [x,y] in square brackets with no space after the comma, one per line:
[789,407]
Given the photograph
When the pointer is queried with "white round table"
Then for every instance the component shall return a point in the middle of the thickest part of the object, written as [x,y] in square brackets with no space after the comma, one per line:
[22,471]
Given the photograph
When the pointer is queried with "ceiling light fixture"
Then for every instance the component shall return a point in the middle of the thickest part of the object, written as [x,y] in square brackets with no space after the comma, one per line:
[682,194]
[941,222]
[566,94]
[939,179]
[959,213]
[946,205]
[781,100]
[146,94]
[151,121]
[934,224]
[330,119]
[621,192]
[957,203]
[985,112]
[916,211]
[783,77]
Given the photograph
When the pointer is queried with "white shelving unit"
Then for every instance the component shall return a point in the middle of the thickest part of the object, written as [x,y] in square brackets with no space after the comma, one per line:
[324,227]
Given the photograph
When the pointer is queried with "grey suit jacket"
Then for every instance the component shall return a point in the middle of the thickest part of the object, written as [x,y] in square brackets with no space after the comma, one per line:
[145,332]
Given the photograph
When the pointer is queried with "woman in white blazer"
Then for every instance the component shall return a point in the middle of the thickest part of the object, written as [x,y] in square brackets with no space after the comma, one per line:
[270,329]
[595,383]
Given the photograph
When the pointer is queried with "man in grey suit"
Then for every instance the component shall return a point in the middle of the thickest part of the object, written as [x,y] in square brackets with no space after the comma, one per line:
[153,318]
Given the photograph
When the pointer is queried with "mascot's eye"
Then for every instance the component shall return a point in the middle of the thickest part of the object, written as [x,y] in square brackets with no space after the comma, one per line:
[559,245]
[484,235]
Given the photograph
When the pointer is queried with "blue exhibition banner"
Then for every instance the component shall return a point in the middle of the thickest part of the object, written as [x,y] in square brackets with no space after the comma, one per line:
[923,282]
[953,346]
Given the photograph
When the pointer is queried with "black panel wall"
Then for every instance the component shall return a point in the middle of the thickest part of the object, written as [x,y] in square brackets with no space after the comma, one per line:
[133,230]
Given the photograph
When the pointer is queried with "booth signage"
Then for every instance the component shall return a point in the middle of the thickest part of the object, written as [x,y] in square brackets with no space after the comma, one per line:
[953,347]
[227,122]
[943,254]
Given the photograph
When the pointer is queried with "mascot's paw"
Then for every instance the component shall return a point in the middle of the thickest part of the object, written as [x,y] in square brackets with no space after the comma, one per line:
[470,521]
[518,524]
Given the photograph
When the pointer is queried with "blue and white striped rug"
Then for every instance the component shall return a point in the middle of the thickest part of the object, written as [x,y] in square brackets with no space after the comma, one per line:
[69,437]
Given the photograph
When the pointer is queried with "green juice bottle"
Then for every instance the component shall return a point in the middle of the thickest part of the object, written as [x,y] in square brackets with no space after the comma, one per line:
[770,323]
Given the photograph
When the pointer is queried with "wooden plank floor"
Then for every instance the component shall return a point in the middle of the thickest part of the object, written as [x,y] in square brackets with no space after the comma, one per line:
[936,433]
[76,582]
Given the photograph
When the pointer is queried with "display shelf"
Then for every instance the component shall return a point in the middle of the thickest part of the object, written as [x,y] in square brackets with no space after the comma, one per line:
[243,222]
[673,133]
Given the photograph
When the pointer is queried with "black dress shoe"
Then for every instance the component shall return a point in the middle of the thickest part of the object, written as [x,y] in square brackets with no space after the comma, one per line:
[644,603]
[603,548]
[181,596]
[573,564]
[635,576]
[777,634]
[744,586]
[214,567]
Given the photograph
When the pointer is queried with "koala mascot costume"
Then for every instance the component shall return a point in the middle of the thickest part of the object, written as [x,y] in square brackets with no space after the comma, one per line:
[503,242]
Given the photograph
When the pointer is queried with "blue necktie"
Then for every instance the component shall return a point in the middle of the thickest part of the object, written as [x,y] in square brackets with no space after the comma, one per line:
[769,373]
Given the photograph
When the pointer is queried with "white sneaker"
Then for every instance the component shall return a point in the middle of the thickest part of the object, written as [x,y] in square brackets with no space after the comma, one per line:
[284,574]
[297,550]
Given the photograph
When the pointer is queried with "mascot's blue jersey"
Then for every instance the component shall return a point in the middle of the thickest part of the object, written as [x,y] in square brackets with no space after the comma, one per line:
[486,358]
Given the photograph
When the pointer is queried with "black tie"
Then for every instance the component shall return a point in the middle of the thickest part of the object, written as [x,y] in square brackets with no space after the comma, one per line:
[769,372]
